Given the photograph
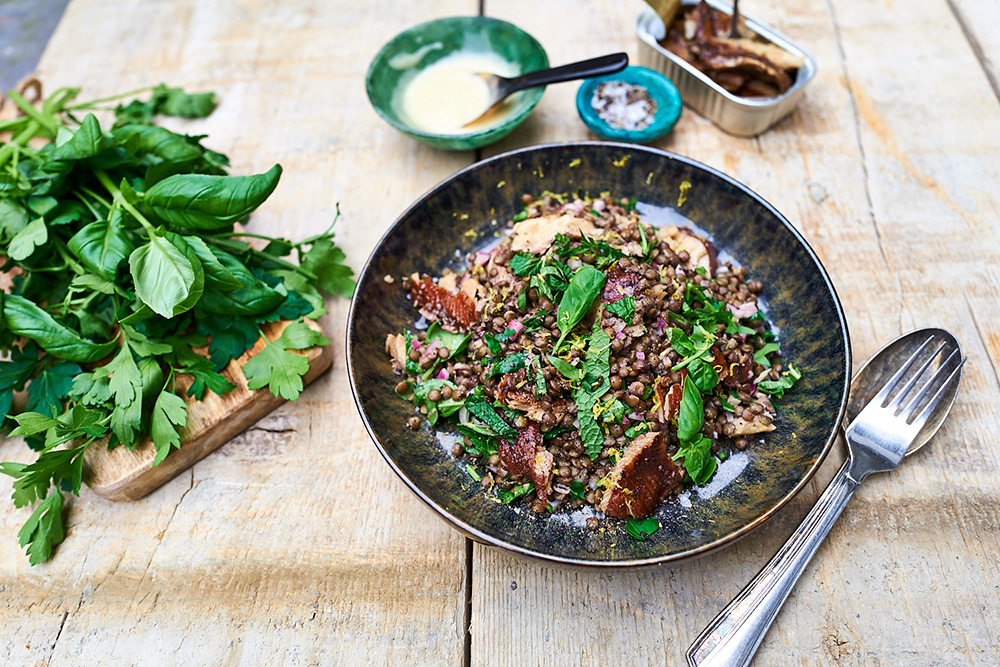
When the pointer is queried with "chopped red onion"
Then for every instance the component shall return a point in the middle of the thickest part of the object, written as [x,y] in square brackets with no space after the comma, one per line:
[619,335]
[442,374]
[599,205]
[636,416]
[517,327]
[415,344]
[660,323]
[639,354]
[482,258]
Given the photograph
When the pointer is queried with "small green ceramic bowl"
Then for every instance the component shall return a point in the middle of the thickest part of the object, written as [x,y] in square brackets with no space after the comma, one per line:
[421,46]
[661,89]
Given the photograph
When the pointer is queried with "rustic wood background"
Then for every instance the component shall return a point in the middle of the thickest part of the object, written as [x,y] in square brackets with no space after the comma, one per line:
[295,544]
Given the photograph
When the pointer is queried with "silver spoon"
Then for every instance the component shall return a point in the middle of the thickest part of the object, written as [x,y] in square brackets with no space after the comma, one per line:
[501,87]
[879,431]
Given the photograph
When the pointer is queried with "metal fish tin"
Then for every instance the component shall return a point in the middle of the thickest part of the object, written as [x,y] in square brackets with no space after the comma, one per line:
[745,117]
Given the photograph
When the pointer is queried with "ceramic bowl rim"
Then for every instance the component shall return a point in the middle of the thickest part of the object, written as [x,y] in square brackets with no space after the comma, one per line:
[491,540]
[534,94]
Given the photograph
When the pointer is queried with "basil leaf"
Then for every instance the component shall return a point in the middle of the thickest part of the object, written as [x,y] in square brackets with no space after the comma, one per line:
[141,140]
[585,286]
[703,374]
[456,343]
[204,202]
[165,278]
[691,416]
[87,141]
[566,369]
[217,275]
[639,529]
[102,245]
[26,319]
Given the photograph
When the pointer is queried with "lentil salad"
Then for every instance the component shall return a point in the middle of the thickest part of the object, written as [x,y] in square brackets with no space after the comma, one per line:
[591,359]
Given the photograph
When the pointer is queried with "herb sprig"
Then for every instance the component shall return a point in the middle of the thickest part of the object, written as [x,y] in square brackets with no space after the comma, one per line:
[125,264]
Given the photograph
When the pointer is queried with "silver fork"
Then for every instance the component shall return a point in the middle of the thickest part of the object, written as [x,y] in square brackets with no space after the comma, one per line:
[877,439]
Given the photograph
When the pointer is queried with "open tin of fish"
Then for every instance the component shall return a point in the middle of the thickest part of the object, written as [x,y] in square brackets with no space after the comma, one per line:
[742,116]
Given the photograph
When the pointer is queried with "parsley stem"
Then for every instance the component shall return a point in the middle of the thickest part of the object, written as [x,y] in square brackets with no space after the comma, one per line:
[46,121]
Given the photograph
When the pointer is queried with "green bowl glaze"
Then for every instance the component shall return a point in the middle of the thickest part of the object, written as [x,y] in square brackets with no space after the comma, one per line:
[465,212]
[434,40]
[661,89]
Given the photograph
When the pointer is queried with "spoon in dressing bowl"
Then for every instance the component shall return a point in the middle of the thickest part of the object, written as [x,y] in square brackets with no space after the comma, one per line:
[894,409]
[502,87]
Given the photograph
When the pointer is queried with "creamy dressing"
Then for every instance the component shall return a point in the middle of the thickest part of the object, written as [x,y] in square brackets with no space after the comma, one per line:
[446,95]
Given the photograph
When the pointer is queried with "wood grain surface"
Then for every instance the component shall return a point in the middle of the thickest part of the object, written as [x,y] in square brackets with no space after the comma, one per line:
[126,473]
[295,544]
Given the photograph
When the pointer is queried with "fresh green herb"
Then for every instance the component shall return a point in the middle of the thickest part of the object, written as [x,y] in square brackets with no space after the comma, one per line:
[760,356]
[523,215]
[522,300]
[704,375]
[441,408]
[585,286]
[577,490]
[507,334]
[127,260]
[691,416]
[566,369]
[701,271]
[535,322]
[535,363]
[637,430]
[694,448]
[594,385]
[493,344]
[777,388]
[517,492]
[509,364]
[481,409]
[456,343]
[646,246]
[552,280]
[472,472]
[482,439]
[603,253]
[639,529]
[623,308]
[630,204]
[525,264]
[613,412]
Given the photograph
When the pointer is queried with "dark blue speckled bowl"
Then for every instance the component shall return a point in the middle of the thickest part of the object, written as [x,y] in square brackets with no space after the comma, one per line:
[464,212]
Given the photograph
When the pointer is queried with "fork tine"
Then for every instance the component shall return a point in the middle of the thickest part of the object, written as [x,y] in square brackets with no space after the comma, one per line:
[897,400]
[894,380]
[919,421]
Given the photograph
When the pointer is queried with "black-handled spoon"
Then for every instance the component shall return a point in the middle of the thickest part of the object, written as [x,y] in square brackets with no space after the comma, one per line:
[501,87]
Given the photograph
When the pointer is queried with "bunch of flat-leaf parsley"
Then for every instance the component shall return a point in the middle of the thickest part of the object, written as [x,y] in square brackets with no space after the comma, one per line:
[123,263]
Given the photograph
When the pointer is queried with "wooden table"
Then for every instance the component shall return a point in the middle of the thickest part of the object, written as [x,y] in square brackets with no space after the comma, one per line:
[295,544]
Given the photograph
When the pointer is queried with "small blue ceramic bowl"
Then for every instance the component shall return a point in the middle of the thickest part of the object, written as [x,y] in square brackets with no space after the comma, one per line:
[661,89]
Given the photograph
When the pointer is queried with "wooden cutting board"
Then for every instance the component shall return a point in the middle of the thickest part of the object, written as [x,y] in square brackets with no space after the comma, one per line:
[123,474]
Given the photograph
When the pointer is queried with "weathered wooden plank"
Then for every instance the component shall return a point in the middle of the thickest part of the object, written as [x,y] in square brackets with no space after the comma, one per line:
[891,183]
[294,543]
[980,20]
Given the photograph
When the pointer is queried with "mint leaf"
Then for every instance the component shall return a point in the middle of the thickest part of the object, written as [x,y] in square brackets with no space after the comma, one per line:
[623,308]
[525,264]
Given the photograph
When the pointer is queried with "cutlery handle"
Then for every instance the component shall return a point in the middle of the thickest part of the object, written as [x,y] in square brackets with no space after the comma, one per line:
[582,70]
[732,638]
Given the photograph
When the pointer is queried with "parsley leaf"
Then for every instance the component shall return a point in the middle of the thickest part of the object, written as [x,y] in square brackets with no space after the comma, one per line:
[205,377]
[277,369]
[778,387]
[327,261]
[48,390]
[760,356]
[169,412]
[43,530]
[126,387]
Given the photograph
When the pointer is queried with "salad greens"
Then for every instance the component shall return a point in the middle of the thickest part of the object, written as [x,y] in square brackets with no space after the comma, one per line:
[124,264]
